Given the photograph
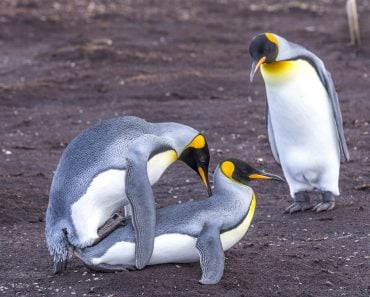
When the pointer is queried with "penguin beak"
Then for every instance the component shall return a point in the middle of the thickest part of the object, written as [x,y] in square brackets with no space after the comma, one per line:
[265,175]
[255,66]
[204,178]
[198,160]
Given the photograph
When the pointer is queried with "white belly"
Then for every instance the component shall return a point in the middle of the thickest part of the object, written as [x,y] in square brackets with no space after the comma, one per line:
[106,194]
[174,247]
[304,127]
[168,248]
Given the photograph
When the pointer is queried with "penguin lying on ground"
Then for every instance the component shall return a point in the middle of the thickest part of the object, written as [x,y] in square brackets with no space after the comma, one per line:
[109,165]
[303,118]
[187,232]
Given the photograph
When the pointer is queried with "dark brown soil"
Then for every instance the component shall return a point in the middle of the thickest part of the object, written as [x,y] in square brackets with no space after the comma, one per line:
[67,64]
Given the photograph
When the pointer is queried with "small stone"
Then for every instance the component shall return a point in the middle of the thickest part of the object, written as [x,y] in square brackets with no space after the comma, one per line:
[329,283]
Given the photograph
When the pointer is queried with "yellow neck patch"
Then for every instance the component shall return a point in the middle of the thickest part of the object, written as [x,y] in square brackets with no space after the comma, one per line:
[283,71]
[158,163]
[277,67]
[231,237]
[198,142]
[271,37]
[228,168]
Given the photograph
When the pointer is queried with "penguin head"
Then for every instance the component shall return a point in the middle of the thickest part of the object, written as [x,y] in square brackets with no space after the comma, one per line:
[196,156]
[264,48]
[241,172]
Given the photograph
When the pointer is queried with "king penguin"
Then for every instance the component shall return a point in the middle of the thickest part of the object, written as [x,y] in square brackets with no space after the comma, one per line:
[303,118]
[110,165]
[191,231]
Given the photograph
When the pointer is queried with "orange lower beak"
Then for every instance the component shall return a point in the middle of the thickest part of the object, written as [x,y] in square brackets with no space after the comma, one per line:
[204,179]
[265,175]
[255,67]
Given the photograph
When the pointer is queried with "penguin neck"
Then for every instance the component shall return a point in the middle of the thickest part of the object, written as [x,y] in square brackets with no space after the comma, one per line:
[285,72]
[232,189]
[158,164]
[178,135]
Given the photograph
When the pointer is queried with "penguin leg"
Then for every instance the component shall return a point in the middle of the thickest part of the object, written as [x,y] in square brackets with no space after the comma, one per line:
[328,202]
[301,203]
[211,254]
[140,195]
[117,220]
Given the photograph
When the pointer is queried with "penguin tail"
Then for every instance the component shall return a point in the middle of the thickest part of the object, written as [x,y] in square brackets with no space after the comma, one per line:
[58,245]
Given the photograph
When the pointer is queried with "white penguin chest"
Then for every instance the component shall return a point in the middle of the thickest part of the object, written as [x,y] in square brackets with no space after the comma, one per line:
[300,111]
[106,194]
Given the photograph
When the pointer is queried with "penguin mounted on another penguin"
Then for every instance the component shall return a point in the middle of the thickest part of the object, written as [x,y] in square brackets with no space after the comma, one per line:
[191,231]
[303,118]
[110,165]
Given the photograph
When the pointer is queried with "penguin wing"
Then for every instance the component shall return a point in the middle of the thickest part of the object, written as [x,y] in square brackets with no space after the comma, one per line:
[328,83]
[271,137]
[212,256]
[140,195]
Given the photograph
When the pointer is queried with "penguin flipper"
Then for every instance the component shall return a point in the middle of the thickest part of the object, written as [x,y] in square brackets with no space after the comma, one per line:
[271,137]
[212,256]
[140,195]
[328,83]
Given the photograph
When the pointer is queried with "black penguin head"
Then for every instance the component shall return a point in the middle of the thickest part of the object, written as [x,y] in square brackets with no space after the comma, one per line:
[263,49]
[243,173]
[196,156]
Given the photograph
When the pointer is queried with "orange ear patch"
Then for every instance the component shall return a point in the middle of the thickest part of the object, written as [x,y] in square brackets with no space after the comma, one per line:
[198,142]
[272,38]
[228,168]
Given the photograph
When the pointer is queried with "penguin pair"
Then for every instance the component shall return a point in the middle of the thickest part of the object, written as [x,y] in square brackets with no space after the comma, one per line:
[303,119]
[113,165]
[198,230]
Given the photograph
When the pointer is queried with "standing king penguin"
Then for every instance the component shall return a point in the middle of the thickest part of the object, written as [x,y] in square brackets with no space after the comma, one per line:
[303,118]
[192,231]
[110,165]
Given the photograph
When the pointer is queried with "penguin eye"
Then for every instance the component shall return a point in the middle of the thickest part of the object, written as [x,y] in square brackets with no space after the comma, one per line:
[268,48]
[202,159]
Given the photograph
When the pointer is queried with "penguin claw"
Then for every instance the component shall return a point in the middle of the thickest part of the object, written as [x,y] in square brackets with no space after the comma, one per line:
[298,206]
[322,206]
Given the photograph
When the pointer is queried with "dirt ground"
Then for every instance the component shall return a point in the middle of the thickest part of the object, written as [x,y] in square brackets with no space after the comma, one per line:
[67,64]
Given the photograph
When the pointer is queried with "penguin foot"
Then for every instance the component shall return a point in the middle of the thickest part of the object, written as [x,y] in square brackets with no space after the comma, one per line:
[322,206]
[328,202]
[301,203]
[117,220]
[298,206]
